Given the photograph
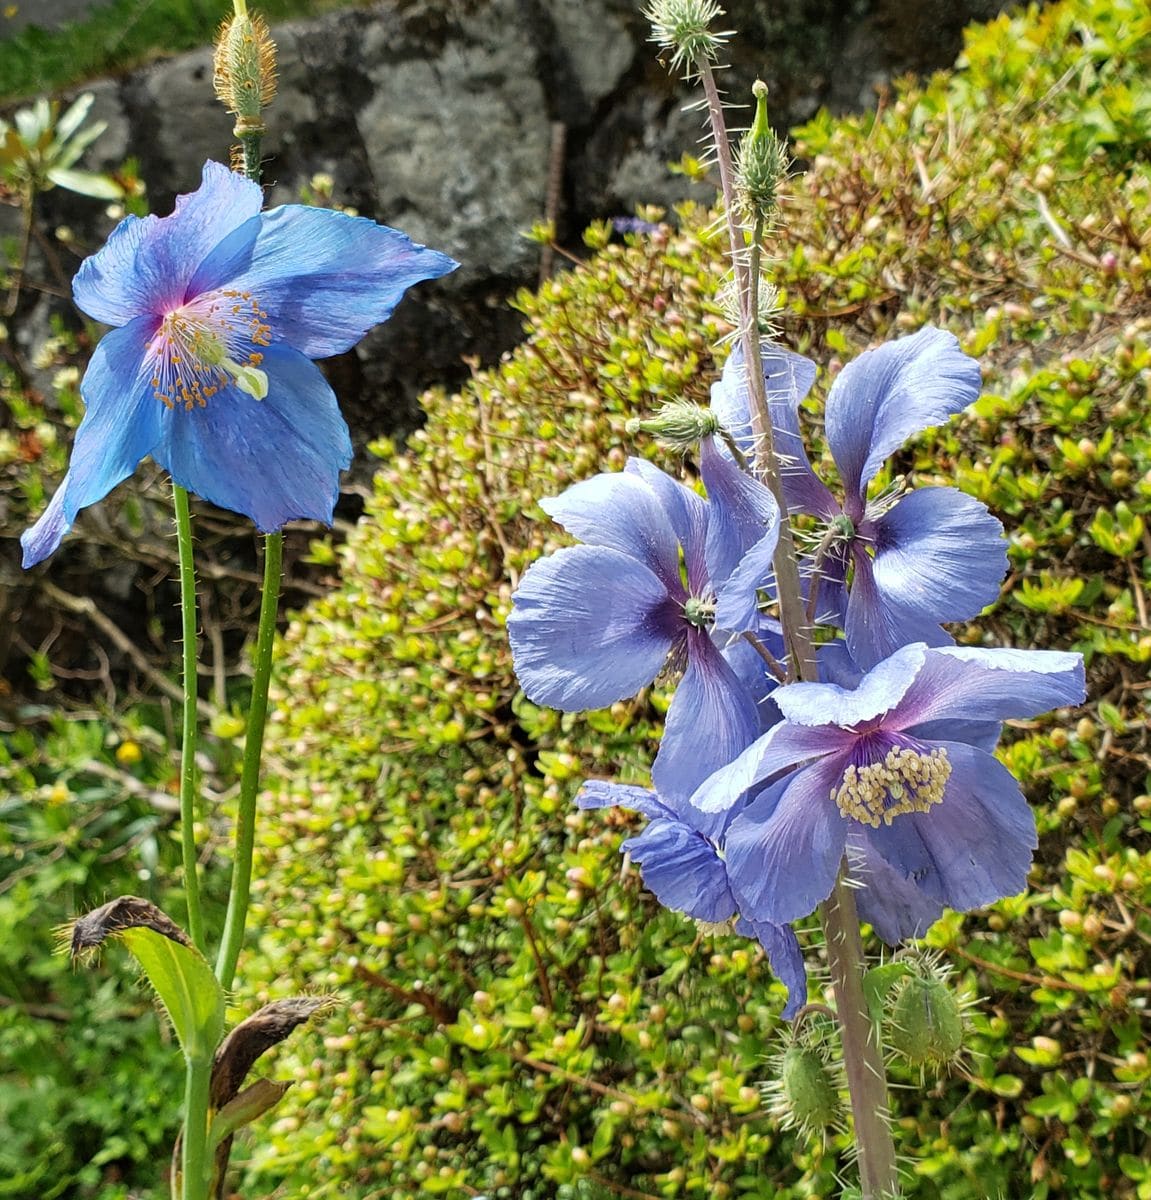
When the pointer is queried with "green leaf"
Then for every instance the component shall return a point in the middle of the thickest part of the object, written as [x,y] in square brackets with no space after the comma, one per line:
[187,988]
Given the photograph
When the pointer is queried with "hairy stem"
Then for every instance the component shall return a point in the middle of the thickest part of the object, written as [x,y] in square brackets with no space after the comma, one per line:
[863,1062]
[190,714]
[194,1151]
[240,889]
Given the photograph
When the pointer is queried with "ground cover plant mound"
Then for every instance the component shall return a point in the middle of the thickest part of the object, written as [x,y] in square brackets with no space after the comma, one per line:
[522,1020]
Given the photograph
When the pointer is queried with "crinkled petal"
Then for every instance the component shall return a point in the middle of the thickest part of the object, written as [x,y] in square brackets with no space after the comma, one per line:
[711,719]
[326,278]
[589,626]
[972,848]
[120,426]
[620,511]
[784,850]
[875,627]
[684,508]
[741,513]
[785,957]
[879,691]
[737,600]
[887,395]
[147,264]
[787,380]
[783,746]
[965,683]
[605,793]
[940,554]
[684,871]
[894,906]
[274,460]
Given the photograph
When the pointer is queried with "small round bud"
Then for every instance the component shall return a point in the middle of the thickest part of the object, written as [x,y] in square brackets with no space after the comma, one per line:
[804,1095]
[683,29]
[679,424]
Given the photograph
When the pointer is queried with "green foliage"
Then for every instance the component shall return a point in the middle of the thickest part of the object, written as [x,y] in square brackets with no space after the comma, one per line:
[523,1019]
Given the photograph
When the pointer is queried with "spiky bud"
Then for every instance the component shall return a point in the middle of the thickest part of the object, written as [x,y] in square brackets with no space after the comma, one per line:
[925,1021]
[244,69]
[762,162]
[682,28]
[678,424]
[804,1093]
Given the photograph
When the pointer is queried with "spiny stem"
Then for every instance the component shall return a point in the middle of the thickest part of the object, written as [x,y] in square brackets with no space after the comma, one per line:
[190,724]
[240,889]
[862,1059]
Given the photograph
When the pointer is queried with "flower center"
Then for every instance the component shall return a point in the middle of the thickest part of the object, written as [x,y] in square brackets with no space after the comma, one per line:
[212,342]
[905,781]
[699,612]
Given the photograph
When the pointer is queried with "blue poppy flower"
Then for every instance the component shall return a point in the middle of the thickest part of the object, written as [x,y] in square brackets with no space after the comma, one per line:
[679,852]
[593,624]
[916,559]
[218,311]
[898,774]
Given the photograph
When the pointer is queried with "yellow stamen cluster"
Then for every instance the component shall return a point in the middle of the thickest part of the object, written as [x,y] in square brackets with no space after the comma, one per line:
[211,343]
[906,781]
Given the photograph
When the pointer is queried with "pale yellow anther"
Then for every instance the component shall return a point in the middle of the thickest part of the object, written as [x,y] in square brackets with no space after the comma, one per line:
[906,781]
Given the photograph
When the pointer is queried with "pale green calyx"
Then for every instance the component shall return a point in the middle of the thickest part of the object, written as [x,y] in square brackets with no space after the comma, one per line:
[683,28]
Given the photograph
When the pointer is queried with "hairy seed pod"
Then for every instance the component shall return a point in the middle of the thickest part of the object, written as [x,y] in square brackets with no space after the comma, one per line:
[925,1021]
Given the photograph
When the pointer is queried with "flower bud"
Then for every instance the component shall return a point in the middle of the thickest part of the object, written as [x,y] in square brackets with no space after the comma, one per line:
[683,29]
[244,68]
[679,424]
[804,1094]
[761,162]
[925,1021]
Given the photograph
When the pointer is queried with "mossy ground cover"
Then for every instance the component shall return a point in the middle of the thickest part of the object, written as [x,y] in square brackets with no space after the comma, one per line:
[521,1018]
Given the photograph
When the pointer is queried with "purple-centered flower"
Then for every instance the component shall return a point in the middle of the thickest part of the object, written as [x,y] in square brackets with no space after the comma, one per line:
[679,852]
[593,624]
[898,774]
[219,310]
[917,559]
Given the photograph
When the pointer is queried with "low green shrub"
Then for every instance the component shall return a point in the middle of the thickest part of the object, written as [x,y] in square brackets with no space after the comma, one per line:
[522,1019]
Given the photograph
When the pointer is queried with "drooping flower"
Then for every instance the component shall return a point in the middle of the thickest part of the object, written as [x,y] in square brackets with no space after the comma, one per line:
[679,852]
[592,624]
[898,773]
[916,559]
[218,310]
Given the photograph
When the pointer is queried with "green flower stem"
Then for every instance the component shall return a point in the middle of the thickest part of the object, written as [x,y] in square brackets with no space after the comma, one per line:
[862,1058]
[194,1150]
[190,714]
[239,892]
[866,1076]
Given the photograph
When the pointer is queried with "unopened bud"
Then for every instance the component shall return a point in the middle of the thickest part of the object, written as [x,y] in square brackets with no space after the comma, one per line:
[761,163]
[804,1094]
[683,29]
[679,424]
[244,68]
[926,1021]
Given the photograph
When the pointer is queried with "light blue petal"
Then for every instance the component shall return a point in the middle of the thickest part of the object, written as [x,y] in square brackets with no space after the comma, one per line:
[785,957]
[274,460]
[939,554]
[147,264]
[965,683]
[605,793]
[687,512]
[787,380]
[972,848]
[589,626]
[894,906]
[887,395]
[737,601]
[879,692]
[741,513]
[784,850]
[684,871]
[622,512]
[120,426]
[876,627]
[710,720]
[326,278]
[782,747]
